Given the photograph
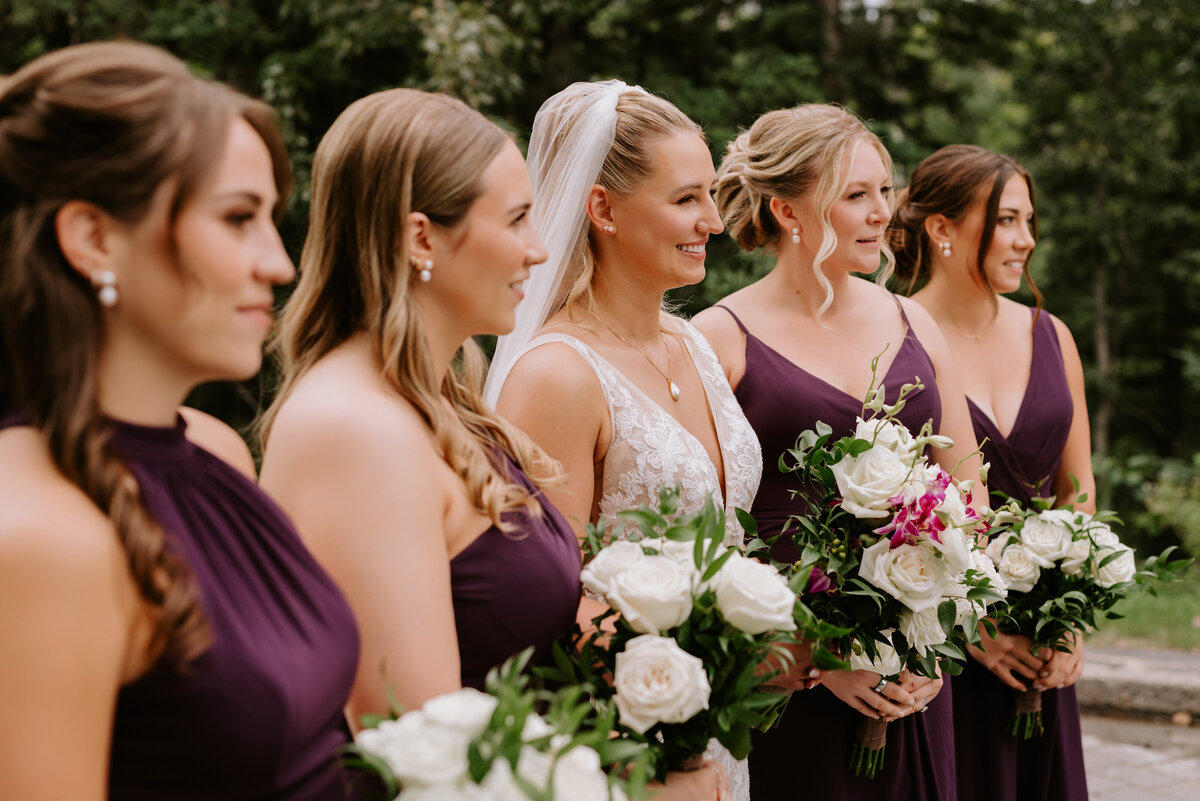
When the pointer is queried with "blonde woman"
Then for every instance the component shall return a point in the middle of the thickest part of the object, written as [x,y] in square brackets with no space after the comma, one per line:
[812,185]
[419,501]
[628,397]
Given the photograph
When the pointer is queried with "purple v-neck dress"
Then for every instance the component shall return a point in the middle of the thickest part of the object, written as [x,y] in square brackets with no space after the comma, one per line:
[992,764]
[259,714]
[806,755]
[514,589]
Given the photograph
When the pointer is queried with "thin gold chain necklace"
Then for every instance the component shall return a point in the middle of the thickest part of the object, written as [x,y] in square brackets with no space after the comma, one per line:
[672,387]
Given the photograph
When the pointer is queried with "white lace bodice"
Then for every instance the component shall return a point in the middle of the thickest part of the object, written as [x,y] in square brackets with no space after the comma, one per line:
[650,449]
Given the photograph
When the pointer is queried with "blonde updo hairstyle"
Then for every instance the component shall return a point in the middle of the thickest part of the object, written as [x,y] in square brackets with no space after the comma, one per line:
[951,182]
[643,120]
[388,155]
[796,153]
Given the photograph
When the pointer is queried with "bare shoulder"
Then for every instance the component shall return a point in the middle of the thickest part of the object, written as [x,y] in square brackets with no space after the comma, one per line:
[1066,339]
[718,326]
[49,528]
[555,371]
[218,439]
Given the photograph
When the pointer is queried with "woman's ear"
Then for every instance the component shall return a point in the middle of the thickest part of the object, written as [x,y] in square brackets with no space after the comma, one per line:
[786,216]
[939,228]
[600,210]
[86,237]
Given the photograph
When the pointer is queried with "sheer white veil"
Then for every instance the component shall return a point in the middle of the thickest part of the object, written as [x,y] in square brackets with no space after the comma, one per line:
[572,134]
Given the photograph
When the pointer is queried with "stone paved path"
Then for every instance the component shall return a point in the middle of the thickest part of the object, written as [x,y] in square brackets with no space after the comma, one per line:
[1135,761]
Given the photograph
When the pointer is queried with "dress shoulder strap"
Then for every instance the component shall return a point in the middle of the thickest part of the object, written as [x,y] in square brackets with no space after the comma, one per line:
[734,316]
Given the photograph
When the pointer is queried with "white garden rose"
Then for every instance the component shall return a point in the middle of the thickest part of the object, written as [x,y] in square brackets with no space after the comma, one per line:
[1077,554]
[681,552]
[460,791]
[533,766]
[1118,570]
[467,710]
[912,574]
[614,558]
[1020,568]
[955,546]
[419,752]
[995,548]
[658,682]
[888,662]
[887,434]
[868,480]
[1046,537]
[753,596]
[922,629]
[1100,533]
[983,563]
[579,777]
[653,594]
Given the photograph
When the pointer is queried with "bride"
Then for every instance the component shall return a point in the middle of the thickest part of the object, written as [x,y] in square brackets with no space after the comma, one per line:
[627,396]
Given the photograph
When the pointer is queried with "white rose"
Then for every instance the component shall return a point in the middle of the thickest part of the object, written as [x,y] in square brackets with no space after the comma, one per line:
[922,629]
[1077,554]
[982,562]
[652,594]
[535,728]
[1118,570]
[1101,534]
[1063,516]
[1047,538]
[868,480]
[658,682]
[417,751]
[613,559]
[753,597]
[995,548]
[888,662]
[461,791]
[681,552]
[1020,568]
[955,547]
[887,434]
[579,777]
[467,709]
[912,574]
[532,765]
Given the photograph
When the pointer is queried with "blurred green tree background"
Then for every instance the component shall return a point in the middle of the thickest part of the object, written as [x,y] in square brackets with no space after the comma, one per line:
[1099,98]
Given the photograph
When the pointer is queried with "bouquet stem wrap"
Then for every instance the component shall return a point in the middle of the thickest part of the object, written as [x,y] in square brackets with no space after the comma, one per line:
[1026,721]
[870,747]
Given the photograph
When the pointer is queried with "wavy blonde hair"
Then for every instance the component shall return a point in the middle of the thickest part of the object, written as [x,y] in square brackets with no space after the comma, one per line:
[800,152]
[642,120]
[388,155]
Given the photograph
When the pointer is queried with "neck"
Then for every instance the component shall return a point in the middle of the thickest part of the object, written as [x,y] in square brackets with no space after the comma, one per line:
[964,307]
[797,285]
[631,310]
[134,388]
[443,338]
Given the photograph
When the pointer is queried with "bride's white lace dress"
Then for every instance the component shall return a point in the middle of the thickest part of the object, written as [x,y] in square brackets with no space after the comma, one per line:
[650,450]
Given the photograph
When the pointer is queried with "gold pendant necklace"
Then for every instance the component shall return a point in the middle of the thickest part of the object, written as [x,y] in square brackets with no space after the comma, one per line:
[672,387]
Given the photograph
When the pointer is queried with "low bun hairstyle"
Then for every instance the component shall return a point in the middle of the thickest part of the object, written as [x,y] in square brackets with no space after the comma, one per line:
[950,182]
[805,151]
[109,124]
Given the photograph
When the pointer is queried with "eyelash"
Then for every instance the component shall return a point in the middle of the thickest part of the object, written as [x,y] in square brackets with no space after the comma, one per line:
[240,218]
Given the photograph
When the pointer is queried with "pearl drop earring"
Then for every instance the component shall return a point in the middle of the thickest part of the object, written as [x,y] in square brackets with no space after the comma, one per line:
[426,272]
[946,249]
[608,229]
[106,288]
[795,236]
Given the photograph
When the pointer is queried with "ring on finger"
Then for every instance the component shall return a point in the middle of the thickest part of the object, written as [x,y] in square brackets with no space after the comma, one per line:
[879,687]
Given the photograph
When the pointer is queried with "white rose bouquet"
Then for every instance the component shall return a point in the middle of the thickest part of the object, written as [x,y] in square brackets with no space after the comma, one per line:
[883,539]
[1063,569]
[494,746]
[694,622]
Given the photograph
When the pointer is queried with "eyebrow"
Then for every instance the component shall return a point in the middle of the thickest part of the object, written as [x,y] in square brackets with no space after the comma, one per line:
[241,194]
[520,207]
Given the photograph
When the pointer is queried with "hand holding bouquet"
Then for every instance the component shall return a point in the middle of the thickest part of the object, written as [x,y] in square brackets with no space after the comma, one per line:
[1063,568]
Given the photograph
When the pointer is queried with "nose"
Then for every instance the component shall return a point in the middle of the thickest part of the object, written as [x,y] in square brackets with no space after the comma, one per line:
[881,213]
[711,222]
[1025,238]
[535,251]
[273,265]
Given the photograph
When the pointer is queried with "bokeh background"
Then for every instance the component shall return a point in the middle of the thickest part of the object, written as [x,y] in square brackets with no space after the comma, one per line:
[1099,98]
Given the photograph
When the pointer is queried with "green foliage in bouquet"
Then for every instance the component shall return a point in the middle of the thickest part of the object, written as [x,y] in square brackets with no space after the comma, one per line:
[698,616]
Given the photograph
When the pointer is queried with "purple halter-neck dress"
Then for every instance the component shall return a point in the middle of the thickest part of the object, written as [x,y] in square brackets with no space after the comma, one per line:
[514,589]
[806,754]
[992,764]
[257,716]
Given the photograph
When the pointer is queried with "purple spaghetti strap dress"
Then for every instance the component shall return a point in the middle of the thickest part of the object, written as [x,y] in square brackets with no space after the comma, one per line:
[806,754]
[258,715]
[992,764]
[514,589]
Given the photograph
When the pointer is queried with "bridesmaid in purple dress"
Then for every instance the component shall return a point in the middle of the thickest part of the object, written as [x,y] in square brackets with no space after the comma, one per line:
[812,184]
[166,635]
[423,504]
[967,224]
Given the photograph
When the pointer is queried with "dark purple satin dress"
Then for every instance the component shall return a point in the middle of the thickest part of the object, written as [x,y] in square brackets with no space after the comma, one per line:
[514,589]
[992,764]
[259,714]
[806,755]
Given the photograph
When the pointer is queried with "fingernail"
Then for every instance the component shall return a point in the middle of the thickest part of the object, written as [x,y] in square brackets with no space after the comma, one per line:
[812,674]
[1044,673]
